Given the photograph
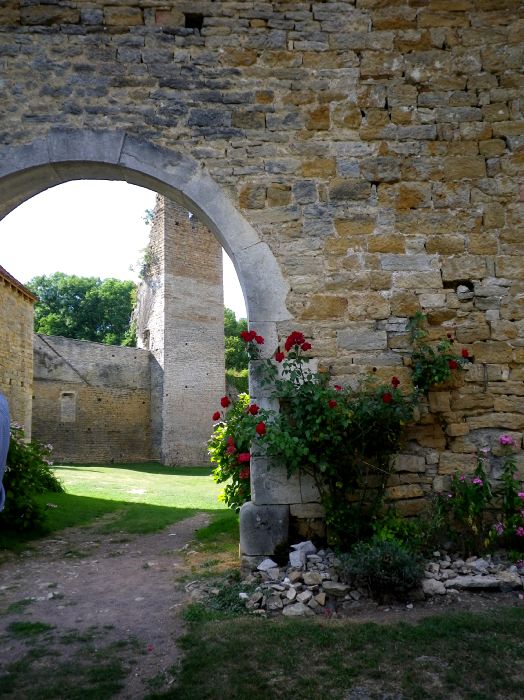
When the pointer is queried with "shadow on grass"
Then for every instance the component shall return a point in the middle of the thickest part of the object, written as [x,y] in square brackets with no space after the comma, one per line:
[66,510]
[142,468]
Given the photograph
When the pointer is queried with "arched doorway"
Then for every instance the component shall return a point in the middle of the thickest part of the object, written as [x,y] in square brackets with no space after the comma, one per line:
[65,155]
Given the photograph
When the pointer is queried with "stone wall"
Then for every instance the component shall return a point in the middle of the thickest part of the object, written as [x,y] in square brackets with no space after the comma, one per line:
[373,147]
[180,317]
[91,401]
[16,352]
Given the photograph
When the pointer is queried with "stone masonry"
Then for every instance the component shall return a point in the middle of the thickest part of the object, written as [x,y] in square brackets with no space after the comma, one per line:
[359,161]
[16,351]
[92,402]
[180,320]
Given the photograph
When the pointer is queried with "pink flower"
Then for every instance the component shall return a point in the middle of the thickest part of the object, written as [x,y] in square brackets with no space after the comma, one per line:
[506,440]
[499,527]
[519,532]
[521,494]
[462,477]
[477,481]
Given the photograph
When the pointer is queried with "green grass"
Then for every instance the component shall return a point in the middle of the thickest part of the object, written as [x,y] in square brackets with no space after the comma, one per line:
[138,498]
[467,656]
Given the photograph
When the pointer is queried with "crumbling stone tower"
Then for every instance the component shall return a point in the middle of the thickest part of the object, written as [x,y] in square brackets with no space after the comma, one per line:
[180,319]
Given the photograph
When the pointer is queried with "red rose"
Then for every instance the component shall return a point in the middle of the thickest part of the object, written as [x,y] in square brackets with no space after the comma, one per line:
[245,336]
[230,440]
[244,473]
[216,415]
[261,428]
[252,335]
[243,457]
[259,340]
[332,403]
[338,387]
[395,381]
[253,409]
[453,364]
[306,346]
[231,450]
[387,397]
[295,338]
[279,356]
[465,353]
[224,401]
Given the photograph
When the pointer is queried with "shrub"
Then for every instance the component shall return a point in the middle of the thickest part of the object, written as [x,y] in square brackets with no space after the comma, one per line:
[384,567]
[509,527]
[421,534]
[28,473]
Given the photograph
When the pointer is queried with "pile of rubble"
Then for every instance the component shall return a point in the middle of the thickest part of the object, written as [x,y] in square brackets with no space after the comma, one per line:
[310,584]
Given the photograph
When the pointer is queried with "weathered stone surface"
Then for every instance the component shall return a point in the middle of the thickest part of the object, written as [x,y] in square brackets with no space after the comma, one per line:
[477,582]
[262,528]
[297,610]
[432,587]
[362,337]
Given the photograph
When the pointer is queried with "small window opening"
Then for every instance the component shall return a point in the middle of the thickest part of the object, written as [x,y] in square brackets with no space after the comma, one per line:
[194,20]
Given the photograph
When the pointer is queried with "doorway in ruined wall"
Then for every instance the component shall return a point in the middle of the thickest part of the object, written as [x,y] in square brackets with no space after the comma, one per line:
[71,155]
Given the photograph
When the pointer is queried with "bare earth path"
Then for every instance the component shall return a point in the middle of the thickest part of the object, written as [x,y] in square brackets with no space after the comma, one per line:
[120,592]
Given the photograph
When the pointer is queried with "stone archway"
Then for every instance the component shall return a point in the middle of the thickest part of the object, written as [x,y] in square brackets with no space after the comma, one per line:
[65,155]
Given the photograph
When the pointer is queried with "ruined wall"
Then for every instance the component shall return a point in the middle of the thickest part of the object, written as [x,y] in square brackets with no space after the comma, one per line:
[16,351]
[374,145]
[91,401]
[181,321]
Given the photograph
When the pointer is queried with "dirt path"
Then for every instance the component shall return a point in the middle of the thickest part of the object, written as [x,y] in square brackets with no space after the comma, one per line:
[116,593]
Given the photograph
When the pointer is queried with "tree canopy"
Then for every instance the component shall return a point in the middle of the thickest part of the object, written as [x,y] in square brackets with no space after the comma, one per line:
[85,308]
[235,348]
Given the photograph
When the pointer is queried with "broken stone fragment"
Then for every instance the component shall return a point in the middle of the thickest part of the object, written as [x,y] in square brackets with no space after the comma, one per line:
[432,587]
[297,610]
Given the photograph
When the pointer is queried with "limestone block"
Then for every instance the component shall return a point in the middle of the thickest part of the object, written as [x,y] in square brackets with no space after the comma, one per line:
[510,266]
[412,506]
[123,16]
[404,491]
[272,485]
[322,307]
[451,462]
[306,510]
[45,14]
[418,262]
[409,463]
[439,401]
[492,352]
[362,336]
[463,267]
[262,528]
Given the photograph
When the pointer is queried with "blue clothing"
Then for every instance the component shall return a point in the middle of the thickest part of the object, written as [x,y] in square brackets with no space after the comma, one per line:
[4,444]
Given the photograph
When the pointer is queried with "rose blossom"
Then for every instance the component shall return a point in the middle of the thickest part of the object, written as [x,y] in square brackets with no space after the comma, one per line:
[225,401]
[279,356]
[452,364]
[244,473]
[306,346]
[387,397]
[332,403]
[259,340]
[231,450]
[465,353]
[253,409]
[395,381]
[261,428]
[216,415]
[243,457]
[294,338]
[338,387]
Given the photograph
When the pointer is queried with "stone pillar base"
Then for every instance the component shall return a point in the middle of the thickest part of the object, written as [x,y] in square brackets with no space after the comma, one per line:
[262,529]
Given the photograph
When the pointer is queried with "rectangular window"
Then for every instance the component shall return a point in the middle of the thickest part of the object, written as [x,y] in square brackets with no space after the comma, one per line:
[67,407]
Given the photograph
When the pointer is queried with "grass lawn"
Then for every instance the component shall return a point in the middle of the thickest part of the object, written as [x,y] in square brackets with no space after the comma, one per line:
[460,656]
[142,498]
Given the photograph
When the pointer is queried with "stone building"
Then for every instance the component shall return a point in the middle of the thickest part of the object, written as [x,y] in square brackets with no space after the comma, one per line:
[358,160]
[16,347]
[105,403]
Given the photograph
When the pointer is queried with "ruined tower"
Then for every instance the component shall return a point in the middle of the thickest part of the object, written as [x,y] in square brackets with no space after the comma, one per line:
[180,319]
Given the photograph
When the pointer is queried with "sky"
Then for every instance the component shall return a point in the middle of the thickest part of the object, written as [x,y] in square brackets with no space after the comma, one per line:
[90,228]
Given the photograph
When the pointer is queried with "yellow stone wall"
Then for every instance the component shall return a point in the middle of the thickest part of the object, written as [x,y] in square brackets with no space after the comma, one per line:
[16,352]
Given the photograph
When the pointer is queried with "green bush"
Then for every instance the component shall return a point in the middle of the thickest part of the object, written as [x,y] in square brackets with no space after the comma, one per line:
[28,473]
[384,567]
[238,378]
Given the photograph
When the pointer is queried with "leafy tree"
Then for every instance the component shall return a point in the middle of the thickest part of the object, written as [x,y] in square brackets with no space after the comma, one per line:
[86,308]
[235,348]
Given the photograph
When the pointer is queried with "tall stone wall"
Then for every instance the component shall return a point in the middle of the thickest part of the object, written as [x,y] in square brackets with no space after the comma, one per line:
[16,351]
[181,321]
[373,146]
[91,401]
